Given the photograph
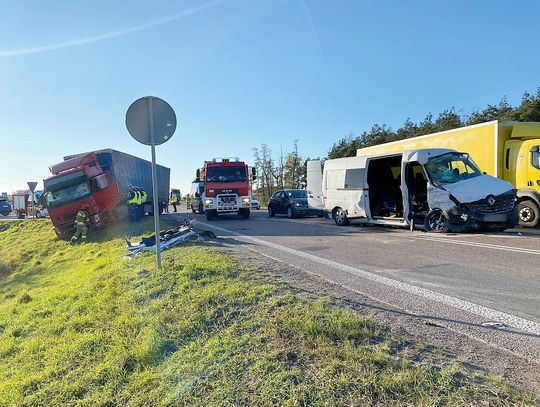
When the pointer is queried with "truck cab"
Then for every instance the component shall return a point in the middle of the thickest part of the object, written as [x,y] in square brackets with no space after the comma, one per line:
[77,181]
[227,187]
[522,168]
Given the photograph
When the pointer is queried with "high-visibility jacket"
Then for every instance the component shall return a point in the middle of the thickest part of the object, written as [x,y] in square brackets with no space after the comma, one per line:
[143,195]
[174,199]
[135,198]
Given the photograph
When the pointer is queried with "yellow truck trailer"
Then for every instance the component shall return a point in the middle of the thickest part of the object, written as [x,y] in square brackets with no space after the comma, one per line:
[505,149]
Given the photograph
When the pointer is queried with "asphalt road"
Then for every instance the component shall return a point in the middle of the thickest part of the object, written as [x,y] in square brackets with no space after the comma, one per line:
[460,280]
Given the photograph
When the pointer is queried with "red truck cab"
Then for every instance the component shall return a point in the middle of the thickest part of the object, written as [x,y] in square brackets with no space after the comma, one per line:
[77,181]
[227,187]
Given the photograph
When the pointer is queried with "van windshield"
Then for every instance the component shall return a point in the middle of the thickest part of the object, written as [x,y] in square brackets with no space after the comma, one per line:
[450,168]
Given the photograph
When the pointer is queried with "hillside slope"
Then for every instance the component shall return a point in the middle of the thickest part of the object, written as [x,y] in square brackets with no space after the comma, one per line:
[80,325]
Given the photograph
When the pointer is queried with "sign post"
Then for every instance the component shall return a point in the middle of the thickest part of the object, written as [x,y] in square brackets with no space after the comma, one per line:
[32,185]
[152,121]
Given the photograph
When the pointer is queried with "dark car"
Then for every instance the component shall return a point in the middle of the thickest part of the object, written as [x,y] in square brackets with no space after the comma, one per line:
[5,207]
[291,202]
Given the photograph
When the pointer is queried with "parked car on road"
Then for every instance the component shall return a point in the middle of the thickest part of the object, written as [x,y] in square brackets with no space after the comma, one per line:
[291,202]
[255,204]
[5,207]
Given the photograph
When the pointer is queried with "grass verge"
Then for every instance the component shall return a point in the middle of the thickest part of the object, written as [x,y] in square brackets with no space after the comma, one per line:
[79,325]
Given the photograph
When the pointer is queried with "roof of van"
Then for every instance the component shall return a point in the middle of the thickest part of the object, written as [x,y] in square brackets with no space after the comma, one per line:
[420,155]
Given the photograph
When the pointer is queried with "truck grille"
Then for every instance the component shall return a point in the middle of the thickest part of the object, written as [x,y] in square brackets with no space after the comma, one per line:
[227,202]
[70,217]
[493,204]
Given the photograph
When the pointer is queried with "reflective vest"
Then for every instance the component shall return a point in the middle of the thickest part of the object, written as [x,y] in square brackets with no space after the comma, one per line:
[143,196]
[81,219]
[174,199]
[135,198]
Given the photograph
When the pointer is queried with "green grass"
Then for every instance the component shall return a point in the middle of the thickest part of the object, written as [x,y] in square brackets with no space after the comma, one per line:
[80,325]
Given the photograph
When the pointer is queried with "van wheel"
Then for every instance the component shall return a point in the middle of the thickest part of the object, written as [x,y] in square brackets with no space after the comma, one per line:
[528,213]
[437,221]
[340,217]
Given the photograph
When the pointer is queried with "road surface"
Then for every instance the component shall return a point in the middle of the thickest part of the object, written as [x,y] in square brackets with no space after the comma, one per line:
[463,281]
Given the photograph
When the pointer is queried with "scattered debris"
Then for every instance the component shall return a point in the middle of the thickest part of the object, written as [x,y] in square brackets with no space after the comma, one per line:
[492,324]
[169,238]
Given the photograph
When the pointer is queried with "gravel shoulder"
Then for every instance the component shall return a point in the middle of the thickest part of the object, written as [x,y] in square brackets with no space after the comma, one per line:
[476,353]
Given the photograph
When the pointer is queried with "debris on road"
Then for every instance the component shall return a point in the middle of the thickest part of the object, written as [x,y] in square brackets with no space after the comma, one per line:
[491,324]
[169,238]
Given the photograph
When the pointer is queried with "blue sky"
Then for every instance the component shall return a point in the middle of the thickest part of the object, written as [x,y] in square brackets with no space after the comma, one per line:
[243,72]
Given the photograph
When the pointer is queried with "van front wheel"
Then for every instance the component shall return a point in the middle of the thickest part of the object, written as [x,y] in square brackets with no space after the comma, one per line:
[340,217]
[437,221]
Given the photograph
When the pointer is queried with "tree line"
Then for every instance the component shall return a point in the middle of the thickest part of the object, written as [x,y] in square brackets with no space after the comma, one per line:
[527,111]
[288,170]
[281,171]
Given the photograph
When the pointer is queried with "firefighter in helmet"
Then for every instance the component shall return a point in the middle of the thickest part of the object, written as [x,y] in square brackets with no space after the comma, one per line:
[82,221]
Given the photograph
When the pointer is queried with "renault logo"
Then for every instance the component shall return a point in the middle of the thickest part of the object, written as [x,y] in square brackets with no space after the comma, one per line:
[491,201]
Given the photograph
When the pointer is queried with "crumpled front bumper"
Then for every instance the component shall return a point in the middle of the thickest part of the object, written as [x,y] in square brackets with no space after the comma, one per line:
[463,219]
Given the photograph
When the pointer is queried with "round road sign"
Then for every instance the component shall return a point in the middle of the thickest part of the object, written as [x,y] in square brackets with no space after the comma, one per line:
[151,121]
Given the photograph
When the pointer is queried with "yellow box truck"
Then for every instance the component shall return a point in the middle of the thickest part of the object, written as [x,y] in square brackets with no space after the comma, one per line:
[505,149]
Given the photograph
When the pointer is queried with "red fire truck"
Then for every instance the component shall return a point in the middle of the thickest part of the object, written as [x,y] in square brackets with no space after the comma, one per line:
[227,187]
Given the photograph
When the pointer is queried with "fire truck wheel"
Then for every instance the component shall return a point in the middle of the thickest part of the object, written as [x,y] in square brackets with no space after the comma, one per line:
[244,213]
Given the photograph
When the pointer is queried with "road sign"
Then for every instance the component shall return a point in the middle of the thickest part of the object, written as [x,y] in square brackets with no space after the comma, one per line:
[149,116]
[32,186]
[152,121]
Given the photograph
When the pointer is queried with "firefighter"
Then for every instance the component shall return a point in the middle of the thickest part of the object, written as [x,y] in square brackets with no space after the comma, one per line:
[81,224]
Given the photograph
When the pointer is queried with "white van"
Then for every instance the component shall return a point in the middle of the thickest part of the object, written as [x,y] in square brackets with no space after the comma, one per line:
[440,190]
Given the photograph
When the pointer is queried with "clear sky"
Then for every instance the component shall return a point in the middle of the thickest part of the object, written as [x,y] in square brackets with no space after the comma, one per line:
[244,72]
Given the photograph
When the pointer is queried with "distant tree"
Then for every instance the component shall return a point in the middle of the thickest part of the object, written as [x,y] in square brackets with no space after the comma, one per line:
[294,168]
[265,167]
[529,109]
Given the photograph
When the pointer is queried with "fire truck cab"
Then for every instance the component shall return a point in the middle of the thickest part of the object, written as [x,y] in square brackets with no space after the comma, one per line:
[227,187]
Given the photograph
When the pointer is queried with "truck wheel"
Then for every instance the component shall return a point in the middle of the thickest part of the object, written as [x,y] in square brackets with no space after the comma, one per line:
[437,221]
[244,213]
[528,213]
[340,217]
[210,215]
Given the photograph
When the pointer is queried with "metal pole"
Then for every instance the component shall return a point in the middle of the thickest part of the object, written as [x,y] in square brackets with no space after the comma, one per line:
[154,183]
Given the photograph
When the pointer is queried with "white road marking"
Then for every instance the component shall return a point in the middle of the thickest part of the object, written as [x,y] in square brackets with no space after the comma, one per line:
[484,312]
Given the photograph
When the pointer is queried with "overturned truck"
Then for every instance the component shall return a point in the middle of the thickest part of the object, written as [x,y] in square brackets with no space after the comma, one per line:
[440,190]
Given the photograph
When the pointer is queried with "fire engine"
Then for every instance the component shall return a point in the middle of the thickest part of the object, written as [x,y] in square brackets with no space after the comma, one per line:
[227,186]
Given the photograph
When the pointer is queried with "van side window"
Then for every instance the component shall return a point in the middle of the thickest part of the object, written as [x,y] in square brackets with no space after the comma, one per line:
[507,158]
[335,179]
[354,178]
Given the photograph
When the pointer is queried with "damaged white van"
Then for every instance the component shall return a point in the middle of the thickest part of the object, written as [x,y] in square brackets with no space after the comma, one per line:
[438,190]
